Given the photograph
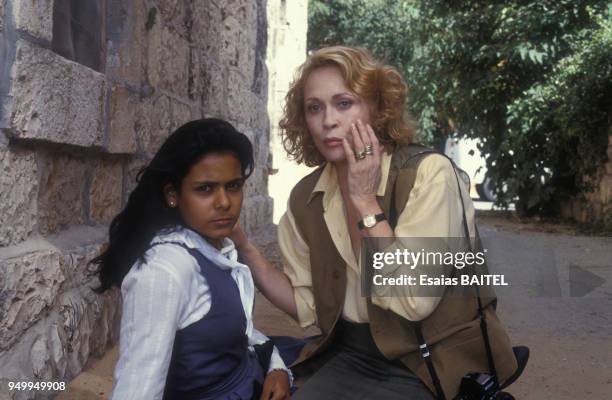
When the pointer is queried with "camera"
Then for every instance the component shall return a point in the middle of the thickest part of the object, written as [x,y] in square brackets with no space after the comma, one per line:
[480,386]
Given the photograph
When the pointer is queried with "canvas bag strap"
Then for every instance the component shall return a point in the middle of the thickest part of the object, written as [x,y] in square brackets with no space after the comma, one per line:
[481,314]
[425,354]
[423,349]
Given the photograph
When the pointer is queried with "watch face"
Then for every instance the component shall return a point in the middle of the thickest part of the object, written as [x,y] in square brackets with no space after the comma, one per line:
[369,221]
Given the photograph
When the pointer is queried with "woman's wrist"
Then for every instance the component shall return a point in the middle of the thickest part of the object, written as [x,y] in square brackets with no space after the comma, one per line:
[366,206]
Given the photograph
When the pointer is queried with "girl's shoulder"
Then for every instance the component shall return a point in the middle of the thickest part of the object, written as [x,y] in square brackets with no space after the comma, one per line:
[166,260]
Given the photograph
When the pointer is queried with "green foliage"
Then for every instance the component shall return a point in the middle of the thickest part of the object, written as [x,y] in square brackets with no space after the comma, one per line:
[531,79]
[379,25]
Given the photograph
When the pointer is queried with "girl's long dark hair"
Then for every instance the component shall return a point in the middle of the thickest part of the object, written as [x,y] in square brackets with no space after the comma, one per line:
[146,212]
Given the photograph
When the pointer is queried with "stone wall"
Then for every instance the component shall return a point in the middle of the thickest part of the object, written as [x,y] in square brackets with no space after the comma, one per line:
[594,207]
[72,140]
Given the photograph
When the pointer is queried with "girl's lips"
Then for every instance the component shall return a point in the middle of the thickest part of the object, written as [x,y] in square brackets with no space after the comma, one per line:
[223,221]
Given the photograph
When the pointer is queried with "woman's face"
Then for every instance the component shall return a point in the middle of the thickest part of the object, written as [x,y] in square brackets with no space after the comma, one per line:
[330,109]
[210,198]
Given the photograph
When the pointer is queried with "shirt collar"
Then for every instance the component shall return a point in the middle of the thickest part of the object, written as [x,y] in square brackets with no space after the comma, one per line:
[328,181]
[194,240]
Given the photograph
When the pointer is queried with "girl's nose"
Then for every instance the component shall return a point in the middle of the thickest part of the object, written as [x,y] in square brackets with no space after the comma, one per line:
[222,200]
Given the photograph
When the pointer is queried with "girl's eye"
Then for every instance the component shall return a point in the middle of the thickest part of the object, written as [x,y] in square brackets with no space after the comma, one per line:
[204,188]
[235,185]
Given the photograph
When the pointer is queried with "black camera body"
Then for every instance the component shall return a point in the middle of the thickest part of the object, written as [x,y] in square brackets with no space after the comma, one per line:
[480,386]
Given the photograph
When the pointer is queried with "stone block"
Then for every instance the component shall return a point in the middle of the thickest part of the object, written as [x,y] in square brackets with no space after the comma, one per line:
[256,213]
[157,118]
[215,89]
[29,286]
[105,191]
[154,123]
[168,60]
[196,86]
[125,53]
[56,350]
[40,358]
[122,121]
[242,104]
[257,184]
[60,199]
[105,323]
[18,195]
[34,17]
[181,114]
[207,26]
[134,165]
[174,14]
[239,36]
[233,51]
[74,321]
[2,16]
[54,99]
[87,322]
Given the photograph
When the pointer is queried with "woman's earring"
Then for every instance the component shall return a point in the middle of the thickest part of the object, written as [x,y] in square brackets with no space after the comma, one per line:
[172,204]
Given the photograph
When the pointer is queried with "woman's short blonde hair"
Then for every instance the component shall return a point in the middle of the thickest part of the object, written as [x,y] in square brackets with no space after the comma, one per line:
[369,79]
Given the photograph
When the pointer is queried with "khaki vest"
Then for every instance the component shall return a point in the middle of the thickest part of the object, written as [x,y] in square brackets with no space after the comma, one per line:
[452,331]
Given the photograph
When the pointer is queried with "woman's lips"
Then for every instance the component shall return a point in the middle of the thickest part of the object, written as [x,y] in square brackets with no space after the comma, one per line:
[333,142]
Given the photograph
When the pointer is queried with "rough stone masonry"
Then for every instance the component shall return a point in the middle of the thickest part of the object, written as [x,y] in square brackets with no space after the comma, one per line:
[73,138]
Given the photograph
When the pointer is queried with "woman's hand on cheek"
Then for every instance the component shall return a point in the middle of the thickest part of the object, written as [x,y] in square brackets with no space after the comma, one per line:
[364,159]
[276,386]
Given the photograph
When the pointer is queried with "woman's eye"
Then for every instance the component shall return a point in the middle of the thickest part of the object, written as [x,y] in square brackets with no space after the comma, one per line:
[344,104]
[313,108]
[204,188]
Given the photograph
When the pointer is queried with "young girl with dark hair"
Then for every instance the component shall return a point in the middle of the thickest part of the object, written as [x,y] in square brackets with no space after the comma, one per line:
[186,328]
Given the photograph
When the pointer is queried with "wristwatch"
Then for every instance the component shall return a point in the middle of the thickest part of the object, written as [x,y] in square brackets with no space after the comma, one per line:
[370,220]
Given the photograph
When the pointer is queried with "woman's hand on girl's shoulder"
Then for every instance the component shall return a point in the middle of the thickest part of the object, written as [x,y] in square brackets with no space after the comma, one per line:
[238,236]
[276,386]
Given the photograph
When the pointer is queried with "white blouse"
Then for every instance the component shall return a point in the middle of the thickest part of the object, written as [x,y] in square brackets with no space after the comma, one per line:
[166,292]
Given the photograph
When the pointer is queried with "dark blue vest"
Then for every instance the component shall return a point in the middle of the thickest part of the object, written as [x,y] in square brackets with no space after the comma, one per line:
[211,358]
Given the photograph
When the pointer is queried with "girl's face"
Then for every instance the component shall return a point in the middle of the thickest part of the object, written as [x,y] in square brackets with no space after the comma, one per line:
[330,109]
[210,198]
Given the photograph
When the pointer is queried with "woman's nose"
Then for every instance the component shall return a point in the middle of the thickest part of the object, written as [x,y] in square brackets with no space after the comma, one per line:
[330,119]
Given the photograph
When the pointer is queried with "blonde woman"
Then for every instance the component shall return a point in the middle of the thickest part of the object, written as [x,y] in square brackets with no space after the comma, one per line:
[344,113]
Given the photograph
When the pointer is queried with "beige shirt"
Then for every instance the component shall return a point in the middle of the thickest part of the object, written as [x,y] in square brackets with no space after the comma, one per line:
[433,210]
